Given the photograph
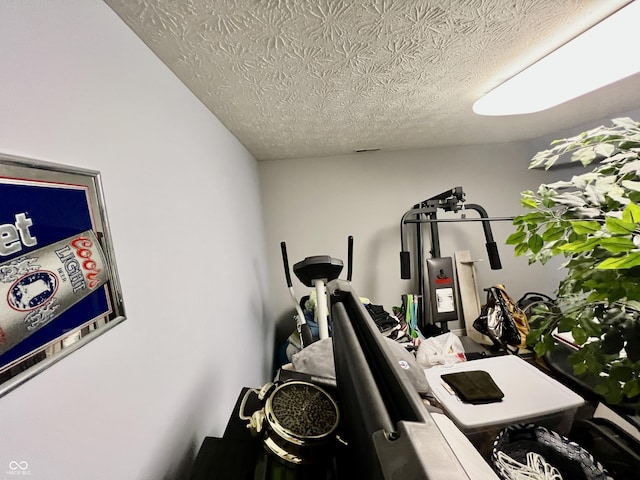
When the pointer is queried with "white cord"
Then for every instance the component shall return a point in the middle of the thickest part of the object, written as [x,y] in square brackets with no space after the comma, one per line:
[537,468]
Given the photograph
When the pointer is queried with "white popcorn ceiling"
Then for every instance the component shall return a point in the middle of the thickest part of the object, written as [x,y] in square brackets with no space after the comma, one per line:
[303,78]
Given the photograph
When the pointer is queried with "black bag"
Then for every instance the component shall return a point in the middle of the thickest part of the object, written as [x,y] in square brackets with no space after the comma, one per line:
[532,300]
[501,320]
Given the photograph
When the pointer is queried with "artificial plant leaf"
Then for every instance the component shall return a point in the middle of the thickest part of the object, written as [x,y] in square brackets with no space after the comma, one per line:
[585,227]
[595,363]
[631,185]
[533,337]
[548,201]
[615,294]
[576,357]
[604,149]
[543,256]
[551,161]
[631,388]
[579,335]
[624,157]
[584,155]
[566,324]
[619,263]
[544,346]
[617,225]
[633,291]
[580,369]
[521,249]
[617,194]
[631,213]
[528,199]
[591,283]
[587,212]
[595,194]
[621,373]
[540,349]
[563,143]
[580,246]
[532,218]
[617,244]
[535,243]
[553,233]
[540,158]
[609,389]
[516,238]
[555,248]
[590,327]
[597,296]
[634,197]
[632,166]
[626,123]
[570,199]
[558,185]
[582,181]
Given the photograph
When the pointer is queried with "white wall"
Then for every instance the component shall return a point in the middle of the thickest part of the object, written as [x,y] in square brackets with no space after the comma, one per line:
[315,204]
[78,87]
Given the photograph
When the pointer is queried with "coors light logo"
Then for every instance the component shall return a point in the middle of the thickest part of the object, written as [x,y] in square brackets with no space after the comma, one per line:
[37,287]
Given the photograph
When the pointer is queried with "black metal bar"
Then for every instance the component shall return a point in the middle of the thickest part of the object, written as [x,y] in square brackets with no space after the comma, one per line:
[456,220]
[420,273]
[492,248]
[349,257]
[453,192]
[285,262]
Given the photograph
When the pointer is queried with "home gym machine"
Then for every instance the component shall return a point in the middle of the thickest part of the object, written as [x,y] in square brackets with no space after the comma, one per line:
[441,305]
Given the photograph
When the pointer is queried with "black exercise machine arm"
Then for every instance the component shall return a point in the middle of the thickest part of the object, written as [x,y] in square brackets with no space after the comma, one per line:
[450,200]
[492,248]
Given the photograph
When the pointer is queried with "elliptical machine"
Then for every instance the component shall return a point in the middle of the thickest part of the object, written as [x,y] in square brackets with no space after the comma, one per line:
[315,272]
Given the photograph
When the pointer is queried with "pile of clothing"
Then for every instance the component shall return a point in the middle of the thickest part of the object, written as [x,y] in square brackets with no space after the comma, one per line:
[400,327]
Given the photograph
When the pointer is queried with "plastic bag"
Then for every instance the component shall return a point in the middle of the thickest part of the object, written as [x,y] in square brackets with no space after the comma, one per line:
[445,349]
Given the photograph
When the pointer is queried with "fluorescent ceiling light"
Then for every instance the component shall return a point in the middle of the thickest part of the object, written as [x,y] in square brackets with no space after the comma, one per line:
[605,53]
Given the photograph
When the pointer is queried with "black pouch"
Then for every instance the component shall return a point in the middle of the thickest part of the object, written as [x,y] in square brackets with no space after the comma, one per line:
[475,387]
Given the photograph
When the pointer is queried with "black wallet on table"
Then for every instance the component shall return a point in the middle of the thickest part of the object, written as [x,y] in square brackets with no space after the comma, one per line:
[475,387]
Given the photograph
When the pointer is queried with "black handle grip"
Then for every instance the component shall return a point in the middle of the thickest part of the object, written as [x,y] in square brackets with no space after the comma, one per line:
[285,261]
[494,257]
[305,333]
[405,265]
[349,257]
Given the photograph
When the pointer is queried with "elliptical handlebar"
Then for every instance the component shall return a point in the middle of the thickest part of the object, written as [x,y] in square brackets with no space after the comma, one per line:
[349,257]
[285,261]
[303,328]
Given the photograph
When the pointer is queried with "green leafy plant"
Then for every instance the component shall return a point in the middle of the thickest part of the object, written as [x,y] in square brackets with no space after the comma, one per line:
[593,221]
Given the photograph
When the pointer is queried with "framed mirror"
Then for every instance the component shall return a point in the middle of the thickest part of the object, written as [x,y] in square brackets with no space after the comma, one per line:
[59,286]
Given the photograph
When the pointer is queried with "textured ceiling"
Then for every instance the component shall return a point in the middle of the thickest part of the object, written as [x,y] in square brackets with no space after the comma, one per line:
[303,78]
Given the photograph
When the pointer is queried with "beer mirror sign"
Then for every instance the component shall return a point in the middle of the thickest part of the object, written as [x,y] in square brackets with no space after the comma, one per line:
[59,286]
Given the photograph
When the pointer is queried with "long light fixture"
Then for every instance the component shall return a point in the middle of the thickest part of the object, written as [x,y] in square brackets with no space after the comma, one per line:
[607,52]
